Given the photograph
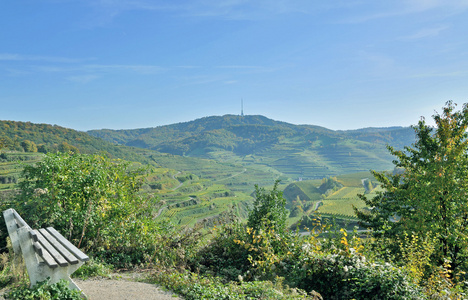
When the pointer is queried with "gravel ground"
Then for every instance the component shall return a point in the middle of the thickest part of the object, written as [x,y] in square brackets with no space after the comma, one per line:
[122,287]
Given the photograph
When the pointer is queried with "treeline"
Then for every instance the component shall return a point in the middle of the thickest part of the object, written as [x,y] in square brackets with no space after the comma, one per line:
[18,145]
[30,137]
[45,138]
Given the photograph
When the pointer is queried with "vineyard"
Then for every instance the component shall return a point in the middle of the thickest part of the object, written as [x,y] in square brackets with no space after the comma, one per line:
[185,198]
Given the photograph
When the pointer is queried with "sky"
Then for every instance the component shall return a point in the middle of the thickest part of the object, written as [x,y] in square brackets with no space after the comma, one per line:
[126,64]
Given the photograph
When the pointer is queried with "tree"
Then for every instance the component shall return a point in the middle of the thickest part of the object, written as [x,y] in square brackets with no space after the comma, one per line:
[269,209]
[430,198]
[66,147]
[29,146]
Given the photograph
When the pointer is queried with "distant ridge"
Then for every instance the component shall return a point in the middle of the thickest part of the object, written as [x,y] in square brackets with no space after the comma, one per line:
[293,151]
[296,150]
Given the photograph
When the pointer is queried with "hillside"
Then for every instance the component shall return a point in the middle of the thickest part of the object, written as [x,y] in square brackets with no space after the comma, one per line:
[34,139]
[297,151]
[31,137]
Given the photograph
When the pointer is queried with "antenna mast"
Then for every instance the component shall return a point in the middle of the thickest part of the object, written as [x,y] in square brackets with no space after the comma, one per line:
[242,107]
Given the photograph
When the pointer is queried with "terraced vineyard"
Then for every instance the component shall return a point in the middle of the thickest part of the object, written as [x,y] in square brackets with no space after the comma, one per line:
[342,201]
[222,158]
[289,151]
[11,166]
[215,188]
[338,202]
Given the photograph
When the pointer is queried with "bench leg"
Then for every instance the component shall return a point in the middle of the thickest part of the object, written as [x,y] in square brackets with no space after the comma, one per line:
[58,274]
[29,255]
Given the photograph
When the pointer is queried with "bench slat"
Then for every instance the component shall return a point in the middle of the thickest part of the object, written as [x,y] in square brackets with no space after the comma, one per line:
[38,248]
[49,260]
[69,246]
[62,250]
[33,236]
[47,247]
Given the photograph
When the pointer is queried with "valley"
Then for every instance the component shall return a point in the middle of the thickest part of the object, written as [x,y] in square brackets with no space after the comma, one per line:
[205,170]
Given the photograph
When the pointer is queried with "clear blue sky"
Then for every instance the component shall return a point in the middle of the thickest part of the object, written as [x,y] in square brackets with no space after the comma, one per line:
[121,64]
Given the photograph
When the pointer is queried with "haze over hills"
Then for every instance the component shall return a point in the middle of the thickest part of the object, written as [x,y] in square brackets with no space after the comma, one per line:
[298,151]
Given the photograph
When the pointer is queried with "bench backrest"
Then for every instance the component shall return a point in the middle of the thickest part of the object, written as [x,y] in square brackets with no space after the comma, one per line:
[13,222]
[54,249]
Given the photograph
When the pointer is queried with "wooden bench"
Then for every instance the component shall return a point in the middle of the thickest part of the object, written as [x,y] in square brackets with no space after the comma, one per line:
[46,253]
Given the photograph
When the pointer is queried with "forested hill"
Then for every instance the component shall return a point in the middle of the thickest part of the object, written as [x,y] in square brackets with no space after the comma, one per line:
[296,150]
[31,137]
[243,135]
[235,133]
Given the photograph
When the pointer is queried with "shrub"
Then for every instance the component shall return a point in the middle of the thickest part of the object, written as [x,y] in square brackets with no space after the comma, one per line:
[269,209]
[11,270]
[44,291]
[92,200]
[223,256]
[194,287]
[350,276]
[93,268]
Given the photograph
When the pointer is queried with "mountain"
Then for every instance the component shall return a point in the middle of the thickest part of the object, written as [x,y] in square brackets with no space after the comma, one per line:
[297,151]
[27,139]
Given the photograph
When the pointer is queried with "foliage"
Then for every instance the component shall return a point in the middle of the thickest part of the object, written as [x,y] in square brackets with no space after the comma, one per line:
[430,198]
[12,270]
[93,268]
[295,150]
[44,291]
[269,210]
[337,269]
[250,250]
[177,247]
[92,200]
[334,266]
[30,137]
[338,276]
[193,287]
[223,256]
[330,185]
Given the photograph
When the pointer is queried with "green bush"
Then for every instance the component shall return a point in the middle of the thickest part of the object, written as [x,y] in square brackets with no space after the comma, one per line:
[194,287]
[340,276]
[269,209]
[93,268]
[44,291]
[92,200]
[223,256]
